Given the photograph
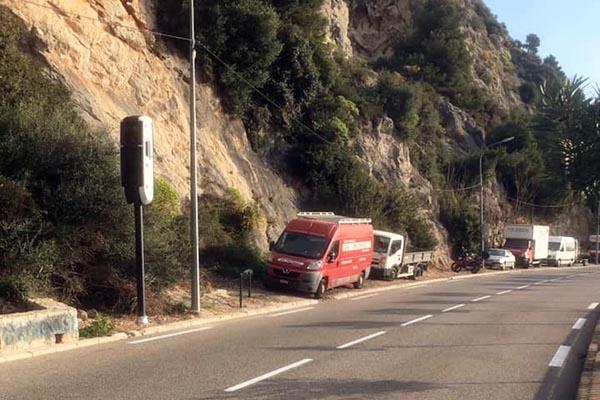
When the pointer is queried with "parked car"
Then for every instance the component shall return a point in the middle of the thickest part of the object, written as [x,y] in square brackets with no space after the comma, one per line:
[319,251]
[391,261]
[528,243]
[500,258]
[562,250]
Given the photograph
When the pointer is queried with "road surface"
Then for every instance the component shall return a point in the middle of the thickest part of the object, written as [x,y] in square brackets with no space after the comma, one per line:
[519,335]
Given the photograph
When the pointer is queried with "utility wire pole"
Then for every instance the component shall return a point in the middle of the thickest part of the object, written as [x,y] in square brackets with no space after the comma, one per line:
[597,229]
[194,169]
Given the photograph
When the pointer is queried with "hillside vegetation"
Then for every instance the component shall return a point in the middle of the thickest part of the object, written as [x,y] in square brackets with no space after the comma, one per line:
[274,70]
[66,231]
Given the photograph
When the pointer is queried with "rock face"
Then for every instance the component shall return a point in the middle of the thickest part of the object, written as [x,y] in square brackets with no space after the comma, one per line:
[100,49]
[337,14]
[388,160]
[375,24]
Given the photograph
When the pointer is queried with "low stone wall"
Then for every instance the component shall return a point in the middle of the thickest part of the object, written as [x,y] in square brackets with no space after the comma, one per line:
[51,325]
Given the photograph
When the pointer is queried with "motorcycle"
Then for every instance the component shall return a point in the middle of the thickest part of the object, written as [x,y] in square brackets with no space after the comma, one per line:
[468,263]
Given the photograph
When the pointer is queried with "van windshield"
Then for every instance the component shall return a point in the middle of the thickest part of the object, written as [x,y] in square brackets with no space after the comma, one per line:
[554,246]
[381,244]
[516,244]
[301,245]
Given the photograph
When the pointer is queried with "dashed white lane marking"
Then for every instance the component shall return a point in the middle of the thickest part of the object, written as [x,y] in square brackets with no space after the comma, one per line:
[414,321]
[364,297]
[540,282]
[291,312]
[453,307]
[170,335]
[579,323]
[480,298]
[268,375]
[523,287]
[560,356]
[362,339]
[505,291]
[592,306]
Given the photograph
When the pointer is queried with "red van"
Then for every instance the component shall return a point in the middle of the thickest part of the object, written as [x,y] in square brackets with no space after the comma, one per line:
[319,251]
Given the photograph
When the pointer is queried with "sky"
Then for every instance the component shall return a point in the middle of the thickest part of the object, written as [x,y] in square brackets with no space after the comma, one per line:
[568,29]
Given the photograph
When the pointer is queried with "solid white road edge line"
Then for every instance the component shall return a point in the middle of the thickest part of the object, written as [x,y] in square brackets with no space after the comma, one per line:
[414,321]
[268,375]
[540,282]
[592,306]
[579,323]
[453,307]
[291,312]
[362,339]
[505,291]
[480,298]
[364,297]
[560,356]
[170,335]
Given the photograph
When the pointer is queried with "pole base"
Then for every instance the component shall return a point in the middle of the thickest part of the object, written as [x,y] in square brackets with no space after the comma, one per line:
[142,321]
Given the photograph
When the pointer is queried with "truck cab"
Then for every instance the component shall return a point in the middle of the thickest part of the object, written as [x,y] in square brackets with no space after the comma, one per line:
[319,251]
[391,261]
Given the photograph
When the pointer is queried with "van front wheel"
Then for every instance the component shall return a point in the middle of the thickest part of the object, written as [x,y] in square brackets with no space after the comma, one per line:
[360,282]
[321,289]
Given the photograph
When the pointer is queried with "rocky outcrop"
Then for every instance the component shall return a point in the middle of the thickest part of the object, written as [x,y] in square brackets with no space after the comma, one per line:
[337,15]
[375,24]
[388,161]
[100,49]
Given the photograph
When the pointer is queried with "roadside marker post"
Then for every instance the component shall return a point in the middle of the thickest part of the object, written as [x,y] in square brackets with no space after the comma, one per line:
[247,274]
[137,179]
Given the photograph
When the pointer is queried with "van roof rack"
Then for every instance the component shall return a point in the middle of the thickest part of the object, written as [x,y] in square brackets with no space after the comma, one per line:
[329,216]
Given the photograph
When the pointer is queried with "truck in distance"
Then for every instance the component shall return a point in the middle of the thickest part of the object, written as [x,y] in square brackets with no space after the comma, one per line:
[319,251]
[391,261]
[528,243]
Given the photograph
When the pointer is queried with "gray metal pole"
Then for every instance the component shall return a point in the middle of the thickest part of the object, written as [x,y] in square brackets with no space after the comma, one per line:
[597,230]
[194,168]
[481,233]
[142,319]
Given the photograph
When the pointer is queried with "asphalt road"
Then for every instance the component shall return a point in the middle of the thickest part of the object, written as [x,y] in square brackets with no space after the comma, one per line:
[520,335]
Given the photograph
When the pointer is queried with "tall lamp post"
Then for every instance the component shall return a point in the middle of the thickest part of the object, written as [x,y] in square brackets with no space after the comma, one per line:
[193,170]
[481,227]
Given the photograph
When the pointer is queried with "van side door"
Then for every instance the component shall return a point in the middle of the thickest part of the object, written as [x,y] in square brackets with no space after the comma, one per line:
[332,269]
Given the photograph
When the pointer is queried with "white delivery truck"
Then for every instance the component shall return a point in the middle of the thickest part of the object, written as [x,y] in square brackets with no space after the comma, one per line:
[529,243]
[391,261]
[562,250]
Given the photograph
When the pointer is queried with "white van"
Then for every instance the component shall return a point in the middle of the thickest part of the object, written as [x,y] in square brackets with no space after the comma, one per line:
[562,250]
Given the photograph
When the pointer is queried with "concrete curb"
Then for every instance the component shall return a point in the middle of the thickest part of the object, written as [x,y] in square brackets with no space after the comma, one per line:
[589,384]
[193,322]
[62,347]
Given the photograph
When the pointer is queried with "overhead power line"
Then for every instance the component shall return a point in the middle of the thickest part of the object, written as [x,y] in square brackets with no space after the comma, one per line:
[201,45]
[457,189]
[541,205]
[137,28]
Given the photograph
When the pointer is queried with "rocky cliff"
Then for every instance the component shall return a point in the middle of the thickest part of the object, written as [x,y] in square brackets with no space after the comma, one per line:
[102,50]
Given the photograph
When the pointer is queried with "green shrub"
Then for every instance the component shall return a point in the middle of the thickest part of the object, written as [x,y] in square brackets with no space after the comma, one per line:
[101,326]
